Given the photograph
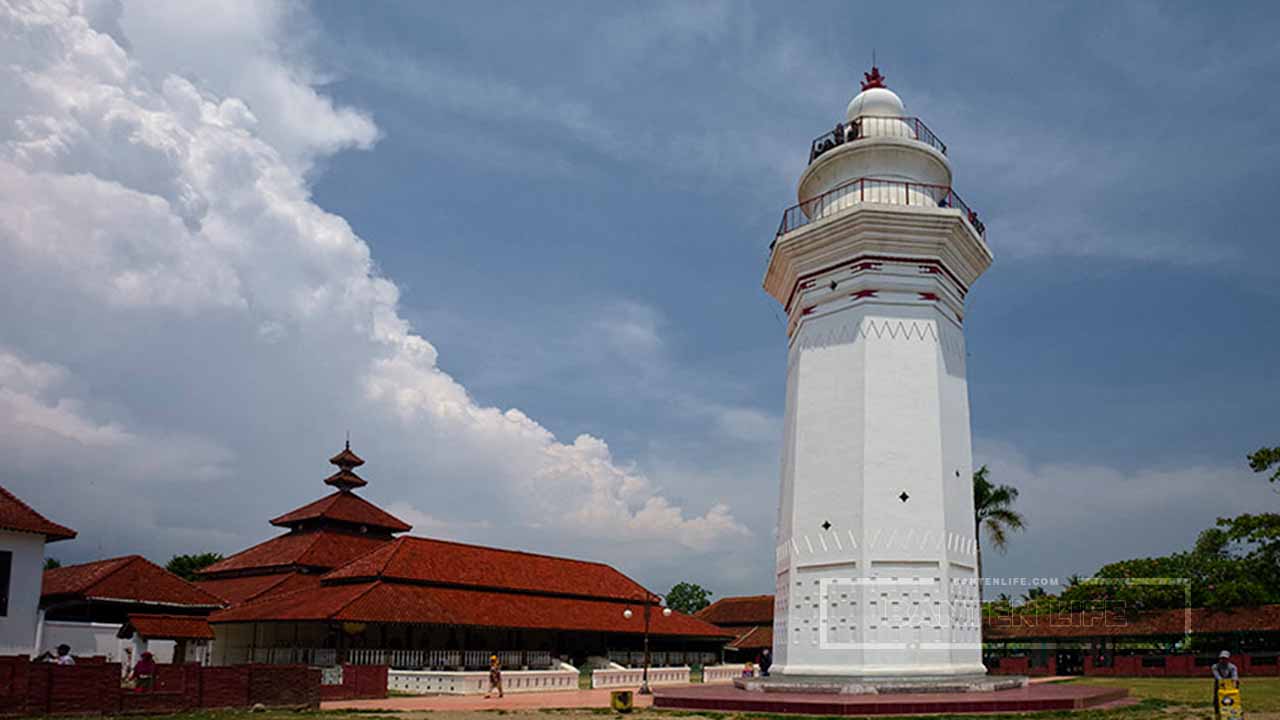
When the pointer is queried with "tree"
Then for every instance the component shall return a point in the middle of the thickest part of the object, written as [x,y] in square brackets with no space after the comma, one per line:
[688,598]
[993,510]
[1263,459]
[187,567]
[51,563]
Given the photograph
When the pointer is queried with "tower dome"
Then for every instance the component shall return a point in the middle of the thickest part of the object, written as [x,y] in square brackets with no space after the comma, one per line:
[875,99]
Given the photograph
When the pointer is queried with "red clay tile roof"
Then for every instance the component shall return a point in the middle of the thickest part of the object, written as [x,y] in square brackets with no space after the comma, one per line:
[346,480]
[742,610]
[346,458]
[404,603]
[319,549]
[17,515]
[1200,621]
[347,508]
[440,562]
[132,578]
[757,638]
[167,627]
[235,590]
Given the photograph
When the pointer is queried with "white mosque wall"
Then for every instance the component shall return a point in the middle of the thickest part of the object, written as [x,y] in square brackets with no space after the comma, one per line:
[18,624]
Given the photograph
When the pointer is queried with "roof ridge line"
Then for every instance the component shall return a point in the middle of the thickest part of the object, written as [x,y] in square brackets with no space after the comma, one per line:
[185,581]
[519,552]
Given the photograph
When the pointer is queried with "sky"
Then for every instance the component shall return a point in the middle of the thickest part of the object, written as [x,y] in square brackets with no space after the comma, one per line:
[516,251]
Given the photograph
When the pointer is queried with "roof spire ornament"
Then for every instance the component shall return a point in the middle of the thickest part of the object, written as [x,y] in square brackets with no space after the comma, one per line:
[873,79]
[347,461]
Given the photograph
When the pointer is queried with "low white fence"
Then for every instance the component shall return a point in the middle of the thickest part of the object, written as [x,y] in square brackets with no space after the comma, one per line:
[445,682]
[661,658]
[451,659]
[721,673]
[632,677]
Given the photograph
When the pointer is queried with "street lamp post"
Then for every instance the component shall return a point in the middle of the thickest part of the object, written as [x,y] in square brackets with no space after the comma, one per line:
[648,608]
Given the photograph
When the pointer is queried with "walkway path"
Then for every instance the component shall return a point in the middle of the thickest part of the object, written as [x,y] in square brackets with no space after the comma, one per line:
[513,701]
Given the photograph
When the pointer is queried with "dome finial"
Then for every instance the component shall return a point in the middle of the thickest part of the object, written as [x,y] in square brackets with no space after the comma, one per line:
[873,79]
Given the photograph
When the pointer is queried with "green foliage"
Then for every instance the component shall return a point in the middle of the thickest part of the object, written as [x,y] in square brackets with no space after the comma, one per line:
[51,563]
[1263,459]
[187,567]
[993,511]
[688,598]
[1235,563]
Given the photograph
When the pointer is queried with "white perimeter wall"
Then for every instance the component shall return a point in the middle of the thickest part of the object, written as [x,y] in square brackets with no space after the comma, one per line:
[88,639]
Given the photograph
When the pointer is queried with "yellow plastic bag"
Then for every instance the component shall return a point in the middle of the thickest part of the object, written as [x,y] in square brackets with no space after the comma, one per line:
[1228,705]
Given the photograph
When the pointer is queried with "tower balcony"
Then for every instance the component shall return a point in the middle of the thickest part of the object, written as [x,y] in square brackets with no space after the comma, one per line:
[871,126]
[879,191]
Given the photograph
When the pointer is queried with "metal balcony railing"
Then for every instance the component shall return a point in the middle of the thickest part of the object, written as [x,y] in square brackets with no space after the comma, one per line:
[868,126]
[875,190]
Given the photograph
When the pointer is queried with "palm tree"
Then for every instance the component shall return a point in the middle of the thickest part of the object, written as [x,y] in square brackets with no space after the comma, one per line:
[993,509]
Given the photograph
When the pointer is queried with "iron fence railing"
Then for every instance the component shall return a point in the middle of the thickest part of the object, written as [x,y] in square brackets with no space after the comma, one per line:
[875,190]
[868,126]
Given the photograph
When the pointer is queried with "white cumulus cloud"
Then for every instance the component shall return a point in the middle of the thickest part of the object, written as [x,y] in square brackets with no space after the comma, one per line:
[175,291]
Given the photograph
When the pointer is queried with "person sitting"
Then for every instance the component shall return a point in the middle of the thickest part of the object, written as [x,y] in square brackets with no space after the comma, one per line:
[64,655]
[144,672]
[748,670]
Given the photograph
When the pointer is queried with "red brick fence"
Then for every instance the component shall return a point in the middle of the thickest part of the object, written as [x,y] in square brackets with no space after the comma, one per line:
[1138,665]
[28,688]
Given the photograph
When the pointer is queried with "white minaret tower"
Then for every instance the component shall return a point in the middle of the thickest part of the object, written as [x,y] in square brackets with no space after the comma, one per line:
[876,566]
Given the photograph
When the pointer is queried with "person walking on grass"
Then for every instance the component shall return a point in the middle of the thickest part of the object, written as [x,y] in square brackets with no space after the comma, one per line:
[495,676]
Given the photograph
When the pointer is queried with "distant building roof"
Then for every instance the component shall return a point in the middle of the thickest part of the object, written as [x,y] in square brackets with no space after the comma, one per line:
[397,602]
[167,627]
[18,516]
[1169,623]
[423,560]
[129,579]
[235,590]
[740,610]
[344,507]
[323,549]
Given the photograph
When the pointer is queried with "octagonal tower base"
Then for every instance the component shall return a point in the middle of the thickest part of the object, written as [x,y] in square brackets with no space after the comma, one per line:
[879,685]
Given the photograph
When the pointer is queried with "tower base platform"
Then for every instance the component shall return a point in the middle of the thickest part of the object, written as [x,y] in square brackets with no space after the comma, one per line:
[1045,696]
[879,685]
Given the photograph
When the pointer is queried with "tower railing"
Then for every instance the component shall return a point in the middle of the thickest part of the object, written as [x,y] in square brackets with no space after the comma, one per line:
[869,126]
[875,190]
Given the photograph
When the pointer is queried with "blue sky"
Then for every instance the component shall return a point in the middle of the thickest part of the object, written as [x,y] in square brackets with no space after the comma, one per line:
[575,201]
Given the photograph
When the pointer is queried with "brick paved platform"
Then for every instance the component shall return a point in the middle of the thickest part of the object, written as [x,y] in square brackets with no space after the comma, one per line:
[1039,696]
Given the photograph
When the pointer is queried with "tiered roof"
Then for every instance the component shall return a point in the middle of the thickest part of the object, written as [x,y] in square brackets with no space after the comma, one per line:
[419,580]
[128,579]
[323,535]
[345,478]
[374,577]
[17,516]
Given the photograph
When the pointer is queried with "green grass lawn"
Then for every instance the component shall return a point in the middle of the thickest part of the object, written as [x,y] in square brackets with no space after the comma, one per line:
[1256,694]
